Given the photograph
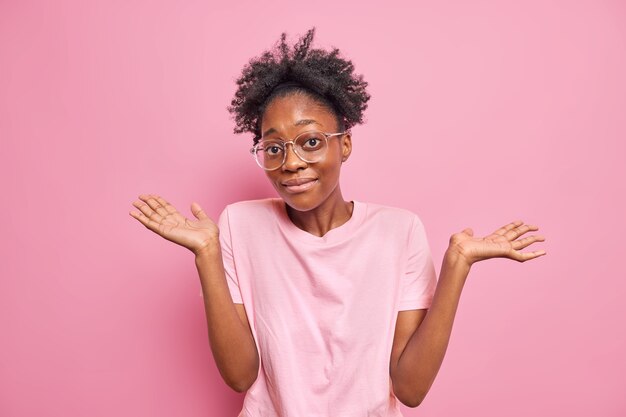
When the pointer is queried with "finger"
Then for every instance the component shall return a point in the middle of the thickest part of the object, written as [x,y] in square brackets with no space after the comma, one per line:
[197,211]
[168,207]
[526,256]
[150,224]
[522,243]
[520,230]
[147,211]
[501,231]
[156,206]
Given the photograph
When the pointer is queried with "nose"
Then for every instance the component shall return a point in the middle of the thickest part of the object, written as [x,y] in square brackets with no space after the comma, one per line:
[292,160]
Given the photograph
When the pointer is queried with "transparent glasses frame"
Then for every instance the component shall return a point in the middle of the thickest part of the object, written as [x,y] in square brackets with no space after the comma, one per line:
[259,146]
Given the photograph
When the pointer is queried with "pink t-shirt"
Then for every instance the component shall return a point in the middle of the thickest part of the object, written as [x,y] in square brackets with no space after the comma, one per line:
[323,309]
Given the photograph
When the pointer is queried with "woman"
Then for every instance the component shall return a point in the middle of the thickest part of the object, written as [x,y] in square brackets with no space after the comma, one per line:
[317,306]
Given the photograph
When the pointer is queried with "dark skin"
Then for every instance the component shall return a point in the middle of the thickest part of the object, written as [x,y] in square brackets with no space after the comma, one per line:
[321,207]
[421,336]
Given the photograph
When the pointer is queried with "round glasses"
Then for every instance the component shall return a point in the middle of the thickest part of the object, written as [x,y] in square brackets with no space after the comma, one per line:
[311,147]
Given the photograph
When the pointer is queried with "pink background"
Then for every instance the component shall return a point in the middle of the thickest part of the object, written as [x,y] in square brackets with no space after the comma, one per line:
[481,113]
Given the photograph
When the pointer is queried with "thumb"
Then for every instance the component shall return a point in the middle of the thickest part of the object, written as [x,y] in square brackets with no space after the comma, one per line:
[197,211]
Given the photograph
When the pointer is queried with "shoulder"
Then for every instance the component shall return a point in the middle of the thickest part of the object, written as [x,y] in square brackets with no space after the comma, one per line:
[249,209]
[391,215]
[396,224]
[251,205]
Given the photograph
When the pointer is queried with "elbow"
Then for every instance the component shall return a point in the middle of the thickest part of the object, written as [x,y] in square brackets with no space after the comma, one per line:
[417,400]
[412,402]
[240,388]
[243,384]
[410,398]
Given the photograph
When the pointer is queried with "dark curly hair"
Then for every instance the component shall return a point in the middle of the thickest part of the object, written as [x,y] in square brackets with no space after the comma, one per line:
[322,75]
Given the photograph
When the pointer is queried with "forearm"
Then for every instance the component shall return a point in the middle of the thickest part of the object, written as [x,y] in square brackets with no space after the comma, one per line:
[421,359]
[232,344]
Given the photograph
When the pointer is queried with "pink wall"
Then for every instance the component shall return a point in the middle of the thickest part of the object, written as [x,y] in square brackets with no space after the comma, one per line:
[481,113]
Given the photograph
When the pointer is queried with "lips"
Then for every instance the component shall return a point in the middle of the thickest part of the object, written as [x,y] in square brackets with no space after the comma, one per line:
[298,181]
[298,185]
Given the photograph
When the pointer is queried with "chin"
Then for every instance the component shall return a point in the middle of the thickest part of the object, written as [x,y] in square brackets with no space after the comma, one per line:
[299,203]
[306,200]
[302,201]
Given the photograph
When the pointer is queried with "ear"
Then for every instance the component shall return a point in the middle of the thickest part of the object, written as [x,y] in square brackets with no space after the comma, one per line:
[346,147]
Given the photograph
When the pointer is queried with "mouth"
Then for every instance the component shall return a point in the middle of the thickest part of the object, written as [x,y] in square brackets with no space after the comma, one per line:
[299,186]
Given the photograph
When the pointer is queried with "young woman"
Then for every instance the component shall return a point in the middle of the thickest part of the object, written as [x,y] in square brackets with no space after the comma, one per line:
[318,306]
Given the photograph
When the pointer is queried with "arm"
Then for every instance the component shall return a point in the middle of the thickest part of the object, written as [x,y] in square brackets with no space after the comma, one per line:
[230,336]
[414,365]
[414,369]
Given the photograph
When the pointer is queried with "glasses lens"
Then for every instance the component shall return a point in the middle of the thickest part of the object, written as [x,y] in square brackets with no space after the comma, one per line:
[270,154]
[311,146]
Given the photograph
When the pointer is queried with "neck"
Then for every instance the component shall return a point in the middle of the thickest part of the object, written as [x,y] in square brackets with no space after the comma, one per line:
[332,213]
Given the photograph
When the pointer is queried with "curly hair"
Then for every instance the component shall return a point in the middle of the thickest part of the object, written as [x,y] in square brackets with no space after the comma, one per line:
[322,75]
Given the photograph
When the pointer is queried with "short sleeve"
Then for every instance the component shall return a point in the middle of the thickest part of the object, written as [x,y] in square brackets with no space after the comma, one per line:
[419,280]
[227,256]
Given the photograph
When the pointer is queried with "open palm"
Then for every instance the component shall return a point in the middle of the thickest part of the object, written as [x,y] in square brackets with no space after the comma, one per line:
[502,243]
[162,218]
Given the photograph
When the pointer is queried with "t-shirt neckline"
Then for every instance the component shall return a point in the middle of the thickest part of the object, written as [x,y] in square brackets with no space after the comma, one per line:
[335,235]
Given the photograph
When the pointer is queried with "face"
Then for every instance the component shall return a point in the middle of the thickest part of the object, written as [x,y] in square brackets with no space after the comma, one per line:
[285,118]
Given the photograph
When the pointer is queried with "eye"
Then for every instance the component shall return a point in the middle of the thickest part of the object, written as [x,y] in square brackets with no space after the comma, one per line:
[272,149]
[312,143]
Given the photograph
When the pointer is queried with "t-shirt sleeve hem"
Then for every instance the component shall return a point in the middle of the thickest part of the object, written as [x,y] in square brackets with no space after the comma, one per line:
[414,304]
[236,300]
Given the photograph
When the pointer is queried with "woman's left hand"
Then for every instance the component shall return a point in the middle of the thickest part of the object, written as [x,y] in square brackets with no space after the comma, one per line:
[500,244]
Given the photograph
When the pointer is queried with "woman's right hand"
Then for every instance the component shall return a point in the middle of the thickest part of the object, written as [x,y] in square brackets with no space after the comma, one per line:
[163,219]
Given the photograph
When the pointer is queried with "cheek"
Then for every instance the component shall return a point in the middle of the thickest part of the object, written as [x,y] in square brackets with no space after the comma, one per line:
[331,169]
[271,177]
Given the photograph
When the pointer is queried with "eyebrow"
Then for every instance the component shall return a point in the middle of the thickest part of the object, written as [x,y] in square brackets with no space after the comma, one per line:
[302,122]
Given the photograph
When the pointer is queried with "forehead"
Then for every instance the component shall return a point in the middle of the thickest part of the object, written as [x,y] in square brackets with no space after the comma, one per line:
[295,113]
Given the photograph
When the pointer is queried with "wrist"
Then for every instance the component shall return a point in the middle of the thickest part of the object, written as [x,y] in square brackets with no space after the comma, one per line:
[208,249]
[455,258]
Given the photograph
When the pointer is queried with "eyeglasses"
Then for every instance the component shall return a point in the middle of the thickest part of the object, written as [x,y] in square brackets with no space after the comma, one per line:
[311,147]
